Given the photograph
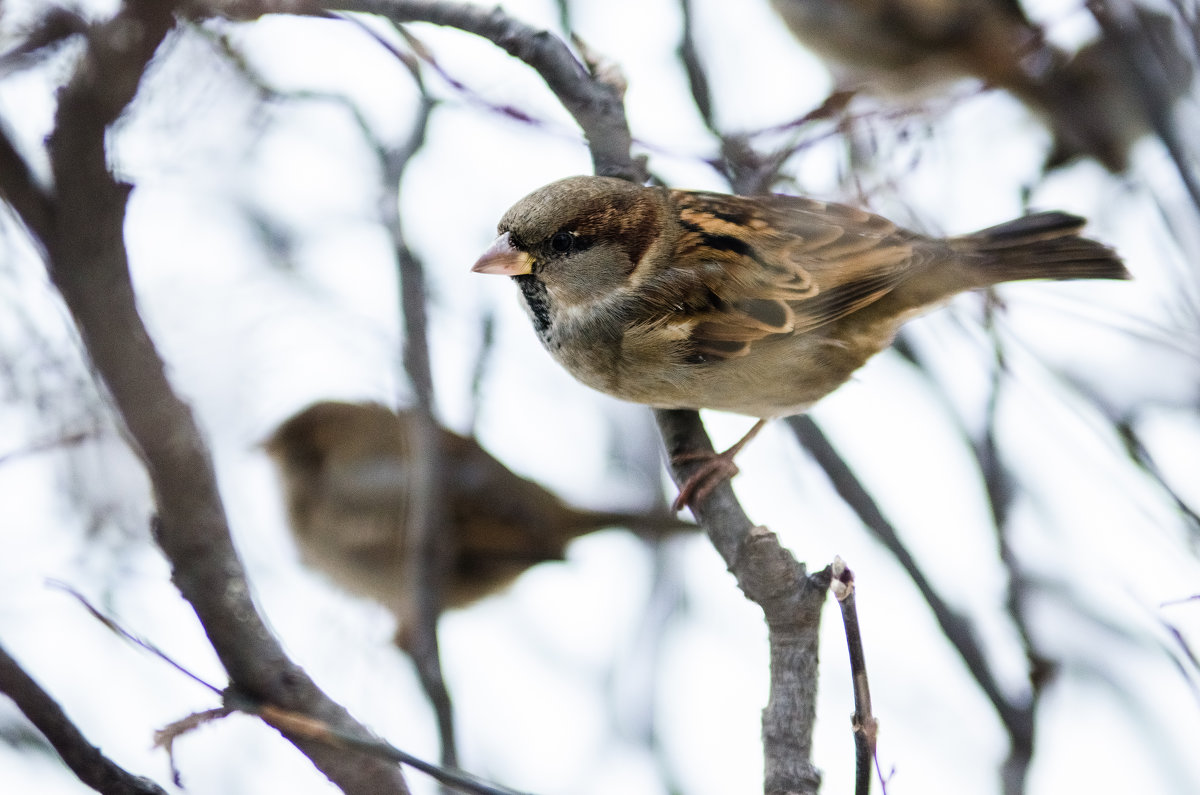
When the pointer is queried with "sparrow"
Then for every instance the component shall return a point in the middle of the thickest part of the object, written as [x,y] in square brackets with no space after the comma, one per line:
[1107,96]
[345,470]
[755,305]
[1089,101]
[907,47]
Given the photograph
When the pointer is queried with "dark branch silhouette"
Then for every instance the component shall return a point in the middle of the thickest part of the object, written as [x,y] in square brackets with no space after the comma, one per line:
[85,760]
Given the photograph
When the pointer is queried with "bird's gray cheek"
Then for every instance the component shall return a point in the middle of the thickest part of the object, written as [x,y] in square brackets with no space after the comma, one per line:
[597,277]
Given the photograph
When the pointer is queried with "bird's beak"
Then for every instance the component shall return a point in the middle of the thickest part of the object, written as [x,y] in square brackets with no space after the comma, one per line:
[503,259]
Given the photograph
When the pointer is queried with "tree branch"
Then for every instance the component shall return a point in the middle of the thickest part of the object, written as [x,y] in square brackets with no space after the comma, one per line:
[427,570]
[866,728]
[19,189]
[1017,718]
[998,479]
[592,96]
[790,599]
[87,262]
[84,759]
[592,93]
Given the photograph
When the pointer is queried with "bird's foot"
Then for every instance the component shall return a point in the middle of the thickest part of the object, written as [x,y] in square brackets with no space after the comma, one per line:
[715,470]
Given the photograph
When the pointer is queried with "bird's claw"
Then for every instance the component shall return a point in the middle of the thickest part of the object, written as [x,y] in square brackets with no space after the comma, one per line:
[716,469]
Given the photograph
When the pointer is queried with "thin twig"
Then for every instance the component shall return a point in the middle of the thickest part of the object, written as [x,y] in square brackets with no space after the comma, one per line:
[428,567]
[317,731]
[474,97]
[487,342]
[47,445]
[747,171]
[593,97]
[999,482]
[564,15]
[866,727]
[303,725]
[956,628]
[55,26]
[115,627]
[297,723]
[693,67]
[165,737]
[1140,455]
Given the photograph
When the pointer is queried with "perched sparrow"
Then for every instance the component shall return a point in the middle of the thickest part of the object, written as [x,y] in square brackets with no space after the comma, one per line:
[1100,105]
[910,47]
[760,306]
[345,470]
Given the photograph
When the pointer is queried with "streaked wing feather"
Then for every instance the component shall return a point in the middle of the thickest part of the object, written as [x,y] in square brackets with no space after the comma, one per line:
[841,301]
[780,264]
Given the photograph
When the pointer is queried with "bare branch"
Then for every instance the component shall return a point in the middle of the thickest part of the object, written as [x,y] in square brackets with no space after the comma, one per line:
[1016,718]
[487,341]
[595,100]
[112,626]
[87,262]
[999,482]
[315,730]
[1140,455]
[791,601]
[866,728]
[428,569]
[19,189]
[300,724]
[55,26]
[319,732]
[85,760]
[693,67]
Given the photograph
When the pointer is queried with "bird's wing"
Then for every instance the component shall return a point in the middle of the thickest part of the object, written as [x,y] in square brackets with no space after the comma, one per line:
[746,269]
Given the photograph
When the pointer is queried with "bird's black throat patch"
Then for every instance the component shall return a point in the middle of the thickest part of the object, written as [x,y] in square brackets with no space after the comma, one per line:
[534,290]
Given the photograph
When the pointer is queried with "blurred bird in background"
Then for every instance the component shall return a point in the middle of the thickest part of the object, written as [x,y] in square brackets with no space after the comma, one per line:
[1096,103]
[346,469]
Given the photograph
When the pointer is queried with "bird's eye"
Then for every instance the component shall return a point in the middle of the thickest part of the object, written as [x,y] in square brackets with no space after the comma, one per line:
[562,242]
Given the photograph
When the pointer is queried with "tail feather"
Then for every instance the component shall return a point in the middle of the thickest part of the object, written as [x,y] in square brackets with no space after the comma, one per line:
[646,525]
[1040,246]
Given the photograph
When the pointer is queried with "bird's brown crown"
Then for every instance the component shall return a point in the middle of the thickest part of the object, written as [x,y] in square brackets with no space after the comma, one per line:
[588,210]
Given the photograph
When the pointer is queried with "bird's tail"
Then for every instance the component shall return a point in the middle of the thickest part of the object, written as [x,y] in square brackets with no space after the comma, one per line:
[1039,246]
[646,525]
